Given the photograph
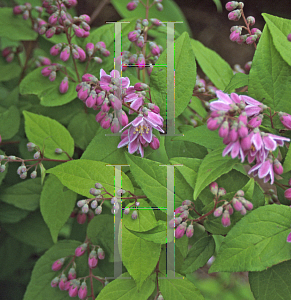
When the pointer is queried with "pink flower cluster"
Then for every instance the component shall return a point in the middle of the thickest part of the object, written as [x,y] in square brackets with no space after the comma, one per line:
[236,11]
[71,283]
[238,119]
[113,91]
[238,202]
[181,221]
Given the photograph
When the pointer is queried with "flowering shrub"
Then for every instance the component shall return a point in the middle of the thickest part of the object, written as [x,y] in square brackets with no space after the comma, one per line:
[122,149]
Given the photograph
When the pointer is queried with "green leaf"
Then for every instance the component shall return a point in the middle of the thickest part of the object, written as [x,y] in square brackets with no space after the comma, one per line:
[218,5]
[101,231]
[257,242]
[39,287]
[279,29]
[216,68]
[273,283]
[287,161]
[185,74]
[56,205]
[14,27]
[48,91]
[45,131]
[178,289]
[201,135]
[9,122]
[9,70]
[24,195]
[198,107]
[32,231]
[11,214]
[170,12]
[189,169]
[182,245]
[199,254]
[212,167]
[152,179]
[270,75]
[83,128]
[238,80]
[81,175]
[122,289]
[139,256]
[157,235]
[112,154]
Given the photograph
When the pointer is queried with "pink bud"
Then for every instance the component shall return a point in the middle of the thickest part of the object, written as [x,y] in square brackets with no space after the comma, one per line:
[105,123]
[248,66]
[100,116]
[81,250]
[133,35]
[187,202]
[90,49]
[73,290]
[100,45]
[91,100]
[225,220]
[100,98]
[65,54]
[46,71]
[243,211]
[256,121]
[105,106]
[92,260]
[278,169]
[72,274]
[155,50]
[83,93]
[221,191]
[53,19]
[179,210]
[132,5]
[79,32]
[62,283]
[64,86]
[285,119]
[54,282]
[57,265]
[6,51]
[10,57]
[256,31]
[155,143]
[289,37]
[233,134]
[154,108]
[104,52]
[234,36]
[218,211]
[140,41]
[85,26]
[242,129]
[251,39]
[115,126]
[122,117]
[190,231]
[140,86]
[231,5]
[86,18]
[55,50]
[289,182]
[180,231]
[17,10]
[287,194]
[82,294]
[156,22]
[115,102]
[213,188]
[234,15]
[213,124]
[251,20]
[81,218]
[52,76]
[224,129]
[82,54]
[100,253]
[50,32]
[44,60]
[237,204]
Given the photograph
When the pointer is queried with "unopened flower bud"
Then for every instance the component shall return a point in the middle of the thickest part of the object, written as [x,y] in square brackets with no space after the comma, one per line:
[234,15]
[225,220]
[134,215]
[231,5]
[100,253]
[57,265]
[159,6]
[126,210]
[214,188]
[218,211]
[190,231]
[98,210]
[251,20]
[33,174]
[58,151]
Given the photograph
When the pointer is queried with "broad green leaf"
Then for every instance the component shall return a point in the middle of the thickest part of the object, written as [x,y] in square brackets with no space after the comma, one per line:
[124,289]
[287,161]
[238,80]
[198,107]
[139,256]
[48,91]
[39,287]
[32,231]
[270,76]
[218,5]
[24,195]
[108,152]
[152,178]
[182,245]
[199,254]
[14,27]
[9,122]
[81,175]
[101,232]
[273,283]
[56,206]
[45,131]
[189,169]
[11,214]
[185,74]
[216,68]
[9,70]
[170,12]
[83,128]
[178,289]
[279,29]
[201,135]
[257,242]
[183,149]
[212,167]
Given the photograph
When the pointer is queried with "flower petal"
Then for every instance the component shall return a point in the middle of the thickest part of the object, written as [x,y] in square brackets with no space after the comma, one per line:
[224,97]
[264,169]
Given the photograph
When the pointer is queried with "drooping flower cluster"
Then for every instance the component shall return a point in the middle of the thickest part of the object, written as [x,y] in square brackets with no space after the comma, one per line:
[113,91]
[238,202]
[238,119]
[70,282]
[236,11]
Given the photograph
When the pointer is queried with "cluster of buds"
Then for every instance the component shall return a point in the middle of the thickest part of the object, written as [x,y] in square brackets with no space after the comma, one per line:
[65,51]
[180,220]
[70,282]
[42,61]
[203,86]
[134,214]
[236,11]
[24,10]
[9,52]
[238,118]
[91,49]
[238,202]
